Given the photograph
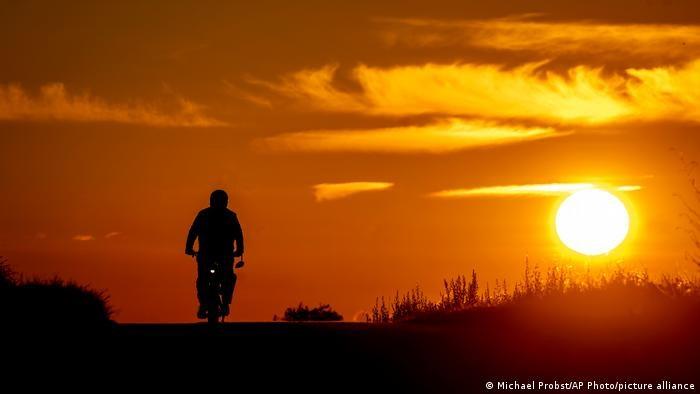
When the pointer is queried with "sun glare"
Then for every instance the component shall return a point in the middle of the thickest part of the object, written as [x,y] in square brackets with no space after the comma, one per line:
[592,222]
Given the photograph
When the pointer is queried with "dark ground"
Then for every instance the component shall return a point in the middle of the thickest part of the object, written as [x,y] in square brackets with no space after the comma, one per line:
[457,354]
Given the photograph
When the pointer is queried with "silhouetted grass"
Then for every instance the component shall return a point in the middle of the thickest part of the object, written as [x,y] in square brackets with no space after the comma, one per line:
[604,294]
[53,302]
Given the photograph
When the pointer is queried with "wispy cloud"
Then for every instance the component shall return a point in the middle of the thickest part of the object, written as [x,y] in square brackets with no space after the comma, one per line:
[112,234]
[54,102]
[544,189]
[439,137]
[315,87]
[671,92]
[334,191]
[83,237]
[247,95]
[581,95]
[665,41]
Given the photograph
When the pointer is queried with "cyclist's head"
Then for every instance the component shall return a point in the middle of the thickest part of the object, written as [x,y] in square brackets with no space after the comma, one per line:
[218,199]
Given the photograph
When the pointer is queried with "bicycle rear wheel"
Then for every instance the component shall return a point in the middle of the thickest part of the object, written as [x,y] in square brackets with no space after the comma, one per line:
[213,305]
[213,316]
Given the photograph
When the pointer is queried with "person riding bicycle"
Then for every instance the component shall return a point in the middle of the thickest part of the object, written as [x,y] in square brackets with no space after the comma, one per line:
[217,228]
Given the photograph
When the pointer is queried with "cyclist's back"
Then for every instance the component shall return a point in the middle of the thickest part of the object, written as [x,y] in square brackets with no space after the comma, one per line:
[217,229]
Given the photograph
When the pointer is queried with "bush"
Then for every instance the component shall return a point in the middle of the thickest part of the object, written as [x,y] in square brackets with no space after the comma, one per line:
[323,312]
[55,302]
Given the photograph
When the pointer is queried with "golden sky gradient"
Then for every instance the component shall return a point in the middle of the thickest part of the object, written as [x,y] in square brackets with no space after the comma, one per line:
[366,147]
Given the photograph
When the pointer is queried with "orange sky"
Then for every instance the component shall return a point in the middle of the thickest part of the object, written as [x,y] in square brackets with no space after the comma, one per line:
[366,147]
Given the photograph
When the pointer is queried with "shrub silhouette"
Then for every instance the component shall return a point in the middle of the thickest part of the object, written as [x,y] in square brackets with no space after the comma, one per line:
[8,278]
[54,302]
[455,296]
[380,313]
[301,312]
[411,303]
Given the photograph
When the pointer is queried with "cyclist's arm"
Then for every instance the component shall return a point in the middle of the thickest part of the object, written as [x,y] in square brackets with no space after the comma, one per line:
[192,235]
[239,237]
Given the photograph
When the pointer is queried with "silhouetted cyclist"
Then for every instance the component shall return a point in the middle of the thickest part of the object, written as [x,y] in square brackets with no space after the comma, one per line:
[217,228]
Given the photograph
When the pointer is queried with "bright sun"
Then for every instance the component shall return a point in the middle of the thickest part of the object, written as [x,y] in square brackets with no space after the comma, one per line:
[592,222]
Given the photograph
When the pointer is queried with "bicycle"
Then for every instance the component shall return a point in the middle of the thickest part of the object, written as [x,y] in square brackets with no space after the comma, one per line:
[214,290]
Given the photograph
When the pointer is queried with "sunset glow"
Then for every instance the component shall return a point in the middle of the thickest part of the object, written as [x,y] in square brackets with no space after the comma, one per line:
[364,146]
[371,196]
